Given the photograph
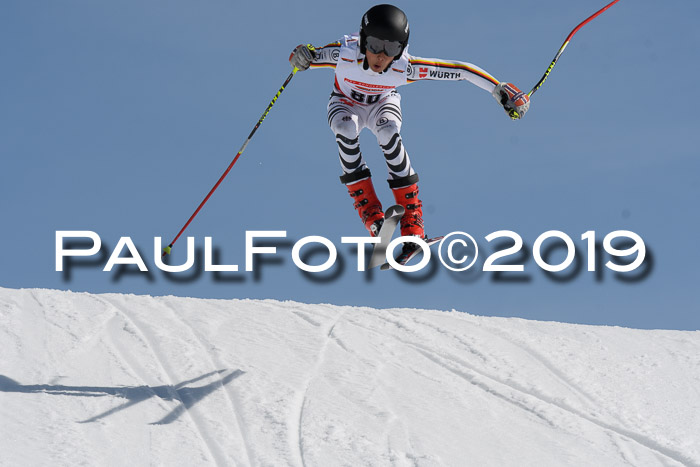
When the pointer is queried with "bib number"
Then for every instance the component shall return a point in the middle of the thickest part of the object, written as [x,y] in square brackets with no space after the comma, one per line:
[364,98]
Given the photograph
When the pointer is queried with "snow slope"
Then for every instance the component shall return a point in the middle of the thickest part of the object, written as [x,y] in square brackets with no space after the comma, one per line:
[132,380]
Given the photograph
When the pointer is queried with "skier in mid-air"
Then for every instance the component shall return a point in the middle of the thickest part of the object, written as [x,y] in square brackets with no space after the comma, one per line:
[369,66]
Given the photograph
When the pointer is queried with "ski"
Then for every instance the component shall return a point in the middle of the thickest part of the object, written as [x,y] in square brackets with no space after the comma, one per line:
[404,258]
[392,216]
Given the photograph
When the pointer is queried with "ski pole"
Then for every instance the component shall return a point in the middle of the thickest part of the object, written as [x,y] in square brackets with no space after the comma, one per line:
[513,114]
[167,249]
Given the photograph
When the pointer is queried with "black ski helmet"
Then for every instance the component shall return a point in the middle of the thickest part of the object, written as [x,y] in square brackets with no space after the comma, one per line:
[385,22]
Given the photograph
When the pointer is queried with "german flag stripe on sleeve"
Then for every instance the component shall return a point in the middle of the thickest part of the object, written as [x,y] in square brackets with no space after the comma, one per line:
[322,65]
[454,66]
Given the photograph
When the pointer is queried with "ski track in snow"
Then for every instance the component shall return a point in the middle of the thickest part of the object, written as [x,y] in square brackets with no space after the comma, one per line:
[151,344]
[340,365]
[470,373]
[621,431]
[298,410]
[234,404]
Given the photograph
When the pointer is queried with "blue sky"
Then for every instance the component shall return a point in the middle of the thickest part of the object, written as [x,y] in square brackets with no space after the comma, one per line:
[118,117]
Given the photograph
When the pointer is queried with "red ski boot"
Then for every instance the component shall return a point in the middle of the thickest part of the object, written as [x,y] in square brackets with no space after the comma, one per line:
[406,194]
[366,202]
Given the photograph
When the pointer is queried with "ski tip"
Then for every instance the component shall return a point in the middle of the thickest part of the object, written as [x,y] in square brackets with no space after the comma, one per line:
[395,210]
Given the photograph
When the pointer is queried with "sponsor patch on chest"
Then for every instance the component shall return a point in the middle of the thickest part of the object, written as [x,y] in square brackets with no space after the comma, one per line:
[368,88]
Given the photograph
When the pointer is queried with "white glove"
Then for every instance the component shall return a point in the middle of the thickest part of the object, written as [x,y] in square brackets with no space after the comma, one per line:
[514,101]
[302,56]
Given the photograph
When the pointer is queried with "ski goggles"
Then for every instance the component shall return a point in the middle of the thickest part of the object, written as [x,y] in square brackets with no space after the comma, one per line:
[377,46]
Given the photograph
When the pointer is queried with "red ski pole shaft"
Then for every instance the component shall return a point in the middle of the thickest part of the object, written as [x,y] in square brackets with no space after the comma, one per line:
[566,42]
[168,248]
[513,114]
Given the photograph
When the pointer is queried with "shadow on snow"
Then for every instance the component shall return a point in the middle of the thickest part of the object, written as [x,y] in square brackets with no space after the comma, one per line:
[186,395]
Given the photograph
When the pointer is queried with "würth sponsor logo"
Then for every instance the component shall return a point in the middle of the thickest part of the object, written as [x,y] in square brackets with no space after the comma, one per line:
[445,74]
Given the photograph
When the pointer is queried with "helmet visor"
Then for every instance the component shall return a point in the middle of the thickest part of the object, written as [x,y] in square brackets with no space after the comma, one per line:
[377,46]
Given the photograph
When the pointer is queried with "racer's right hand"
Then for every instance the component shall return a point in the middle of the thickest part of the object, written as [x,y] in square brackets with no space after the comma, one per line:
[302,56]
